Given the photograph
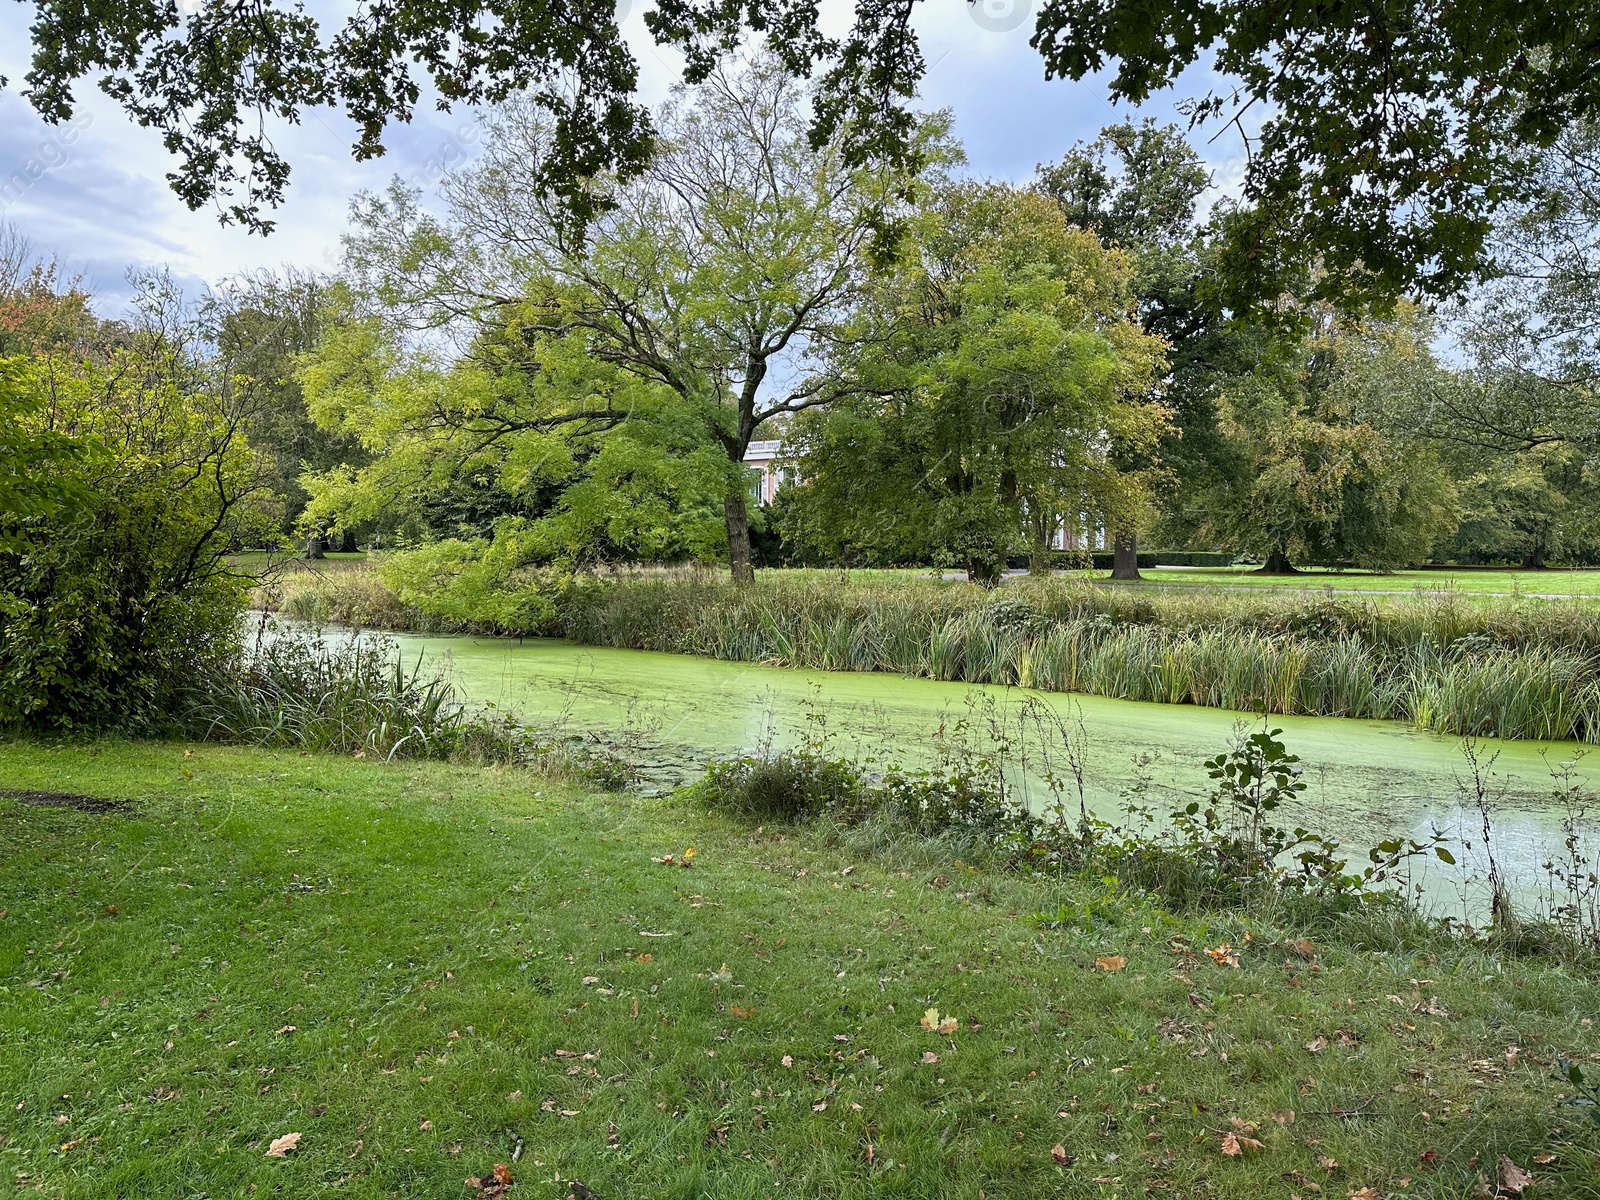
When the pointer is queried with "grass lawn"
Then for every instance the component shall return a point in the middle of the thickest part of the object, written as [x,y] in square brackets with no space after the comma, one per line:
[1580,582]
[418,968]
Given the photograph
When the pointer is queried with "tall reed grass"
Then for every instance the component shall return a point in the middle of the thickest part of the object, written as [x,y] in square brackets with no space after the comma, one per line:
[1510,669]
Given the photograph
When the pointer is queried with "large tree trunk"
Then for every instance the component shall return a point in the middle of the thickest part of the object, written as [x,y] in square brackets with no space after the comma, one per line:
[985,570]
[315,547]
[1534,561]
[1125,555]
[1277,564]
[1040,525]
[737,518]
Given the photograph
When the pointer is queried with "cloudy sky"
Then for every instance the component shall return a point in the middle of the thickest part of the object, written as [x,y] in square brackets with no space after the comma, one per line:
[103,205]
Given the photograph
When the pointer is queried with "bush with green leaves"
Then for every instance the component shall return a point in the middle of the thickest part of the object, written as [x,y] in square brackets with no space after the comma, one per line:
[115,598]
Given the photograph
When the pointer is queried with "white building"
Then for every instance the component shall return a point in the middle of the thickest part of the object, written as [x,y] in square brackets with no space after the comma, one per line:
[762,457]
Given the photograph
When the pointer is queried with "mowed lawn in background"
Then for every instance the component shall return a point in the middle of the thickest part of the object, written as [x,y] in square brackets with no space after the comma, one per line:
[1486,581]
[418,968]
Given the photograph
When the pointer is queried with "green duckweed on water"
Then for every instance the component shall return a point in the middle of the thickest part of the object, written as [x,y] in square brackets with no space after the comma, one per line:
[1367,779]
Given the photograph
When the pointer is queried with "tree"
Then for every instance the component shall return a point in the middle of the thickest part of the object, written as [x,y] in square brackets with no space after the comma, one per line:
[726,275]
[261,325]
[114,603]
[1530,507]
[1003,367]
[1137,187]
[1391,132]
[40,311]
[1337,473]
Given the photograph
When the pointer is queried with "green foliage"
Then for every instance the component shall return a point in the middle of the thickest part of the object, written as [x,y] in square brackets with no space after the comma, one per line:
[261,325]
[1335,474]
[487,586]
[1007,357]
[1387,146]
[122,598]
[629,370]
[36,462]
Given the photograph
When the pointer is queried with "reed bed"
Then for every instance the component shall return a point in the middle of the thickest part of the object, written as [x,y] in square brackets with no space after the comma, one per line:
[1505,668]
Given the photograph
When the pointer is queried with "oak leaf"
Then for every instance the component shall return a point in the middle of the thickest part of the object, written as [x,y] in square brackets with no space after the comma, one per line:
[1111,963]
[281,1146]
[1511,1179]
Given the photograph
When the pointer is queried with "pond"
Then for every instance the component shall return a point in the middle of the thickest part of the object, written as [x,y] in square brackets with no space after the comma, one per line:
[1367,779]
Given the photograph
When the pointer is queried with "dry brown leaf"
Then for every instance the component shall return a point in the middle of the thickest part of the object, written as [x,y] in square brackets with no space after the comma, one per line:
[928,1056]
[1059,1153]
[1511,1180]
[1366,1193]
[1224,955]
[1111,963]
[281,1146]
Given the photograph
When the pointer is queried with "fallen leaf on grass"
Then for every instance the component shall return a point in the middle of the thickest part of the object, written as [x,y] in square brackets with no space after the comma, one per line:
[742,1013]
[1512,1179]
[1059,1153]
[1234,1144]
[493,1184]
[1366,1193]
[932,1020]
[928,1056]
[281,1146]
[787,1060]
[1111,963]
[1544,1160]
[1224,955]
[1317,1044]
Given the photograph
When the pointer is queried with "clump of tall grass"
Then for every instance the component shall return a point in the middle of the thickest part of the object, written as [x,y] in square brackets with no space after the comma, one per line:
[354,697]
[357,696]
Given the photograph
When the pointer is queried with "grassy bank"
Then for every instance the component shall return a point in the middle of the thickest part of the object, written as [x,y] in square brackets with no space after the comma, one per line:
[418,968]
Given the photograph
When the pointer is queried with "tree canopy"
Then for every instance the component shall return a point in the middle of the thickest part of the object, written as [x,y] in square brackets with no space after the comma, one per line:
[1004,367]
[1388,135]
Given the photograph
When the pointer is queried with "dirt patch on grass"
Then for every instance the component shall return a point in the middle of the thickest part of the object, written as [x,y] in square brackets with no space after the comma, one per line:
[88,804]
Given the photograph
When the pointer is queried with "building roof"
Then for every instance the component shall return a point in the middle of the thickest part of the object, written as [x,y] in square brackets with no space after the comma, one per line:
[763,451]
